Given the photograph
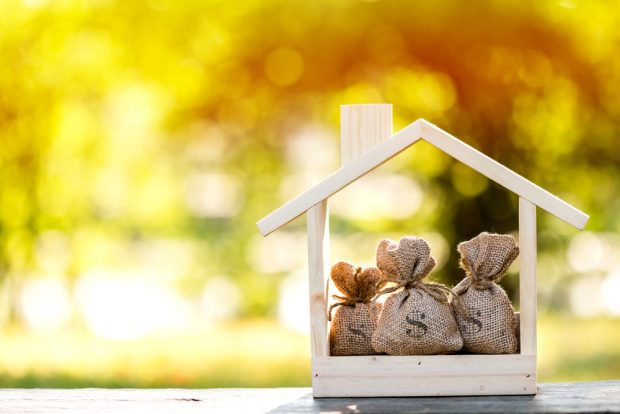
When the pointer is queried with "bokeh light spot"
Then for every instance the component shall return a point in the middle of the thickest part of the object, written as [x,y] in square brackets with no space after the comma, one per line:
[220,299]
[610,293]
[214,194]
[125,305]
[293,292]
[467,181]
[284,66]
[377,196]
[586,252]
[45,304]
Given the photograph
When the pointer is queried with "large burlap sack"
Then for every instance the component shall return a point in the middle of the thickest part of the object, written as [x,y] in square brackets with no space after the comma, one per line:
[486,318]
[356,314]
[418,320]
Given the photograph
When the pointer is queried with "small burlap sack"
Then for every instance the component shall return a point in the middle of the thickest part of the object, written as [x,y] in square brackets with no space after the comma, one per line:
[356,315]
[417,320]
[486,318]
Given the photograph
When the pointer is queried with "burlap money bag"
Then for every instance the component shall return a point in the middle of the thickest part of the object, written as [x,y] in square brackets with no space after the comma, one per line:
[486,317]
[356,314]
[418,320]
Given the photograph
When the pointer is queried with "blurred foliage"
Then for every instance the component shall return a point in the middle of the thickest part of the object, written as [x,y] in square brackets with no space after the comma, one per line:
[240,355]
[234,355]
[154,134]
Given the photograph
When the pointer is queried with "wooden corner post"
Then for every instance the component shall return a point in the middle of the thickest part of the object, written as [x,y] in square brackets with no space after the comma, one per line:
[318,267]
[527,277]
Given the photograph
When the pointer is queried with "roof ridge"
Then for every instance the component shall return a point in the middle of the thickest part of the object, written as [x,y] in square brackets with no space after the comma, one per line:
[444,141]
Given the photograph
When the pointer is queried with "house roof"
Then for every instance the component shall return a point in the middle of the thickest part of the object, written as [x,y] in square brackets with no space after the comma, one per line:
[422,130]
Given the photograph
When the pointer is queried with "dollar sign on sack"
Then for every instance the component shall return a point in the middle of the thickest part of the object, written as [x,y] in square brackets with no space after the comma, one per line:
[472,324]
[358,329]
[418,328]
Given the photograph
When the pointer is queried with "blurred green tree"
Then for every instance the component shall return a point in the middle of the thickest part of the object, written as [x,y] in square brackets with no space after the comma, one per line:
[123,122]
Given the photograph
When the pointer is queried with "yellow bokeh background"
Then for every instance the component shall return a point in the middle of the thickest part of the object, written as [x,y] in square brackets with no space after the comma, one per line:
[142,140]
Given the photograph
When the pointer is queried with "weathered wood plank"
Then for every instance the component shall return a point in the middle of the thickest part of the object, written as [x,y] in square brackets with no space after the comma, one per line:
[151,401]
[585,397]
[582,397]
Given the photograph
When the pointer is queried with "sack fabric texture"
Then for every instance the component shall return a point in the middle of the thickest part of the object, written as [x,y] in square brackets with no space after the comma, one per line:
[356,313]
[485,315]
[418,319]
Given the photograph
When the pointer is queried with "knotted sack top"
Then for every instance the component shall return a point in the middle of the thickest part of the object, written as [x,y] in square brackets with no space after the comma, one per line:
[486,258]
[358,285]
[407,263]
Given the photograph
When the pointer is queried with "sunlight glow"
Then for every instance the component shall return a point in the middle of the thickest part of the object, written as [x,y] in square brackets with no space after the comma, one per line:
[33,4]
[379,195]
[293,310]
[585,295]
[280,252]
[120,305]
[214,194]
[45,304]
[313,148]
[611,292]
[586,252]
[220,299]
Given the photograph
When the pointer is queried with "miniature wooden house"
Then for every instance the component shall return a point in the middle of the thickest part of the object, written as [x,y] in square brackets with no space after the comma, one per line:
[366,143]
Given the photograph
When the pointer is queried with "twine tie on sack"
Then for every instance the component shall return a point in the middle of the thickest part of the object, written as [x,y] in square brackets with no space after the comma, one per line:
[354,321]
[344,301]
[417,271]
[438,291]
[400,329]
[365,294]
[486,319]
[485,259]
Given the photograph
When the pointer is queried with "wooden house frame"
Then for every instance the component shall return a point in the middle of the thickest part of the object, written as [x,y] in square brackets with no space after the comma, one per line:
[366,143]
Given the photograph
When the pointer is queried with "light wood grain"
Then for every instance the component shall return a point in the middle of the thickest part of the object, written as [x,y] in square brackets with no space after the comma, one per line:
[318,272]
[362,127]
[406,137]
[431,375]
[527,275]
[456,364]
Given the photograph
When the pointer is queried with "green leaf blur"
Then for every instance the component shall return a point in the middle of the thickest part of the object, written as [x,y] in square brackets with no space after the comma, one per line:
[142,140]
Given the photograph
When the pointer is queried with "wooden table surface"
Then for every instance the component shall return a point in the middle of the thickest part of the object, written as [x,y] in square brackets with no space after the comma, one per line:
[602,396]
